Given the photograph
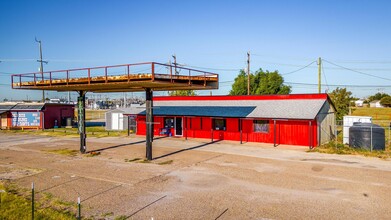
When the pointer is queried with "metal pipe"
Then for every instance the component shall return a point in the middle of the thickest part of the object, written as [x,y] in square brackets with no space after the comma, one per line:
[32,201]
[81,120]
[78,208]
[310,134]
[149,121]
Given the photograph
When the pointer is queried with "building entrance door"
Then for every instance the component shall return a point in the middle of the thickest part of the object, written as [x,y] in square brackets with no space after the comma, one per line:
[178,127]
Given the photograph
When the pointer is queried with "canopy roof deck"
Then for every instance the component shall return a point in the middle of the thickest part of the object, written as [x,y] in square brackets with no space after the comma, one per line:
[119,78]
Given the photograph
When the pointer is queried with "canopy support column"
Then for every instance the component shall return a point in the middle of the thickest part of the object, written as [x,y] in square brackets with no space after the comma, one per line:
[149,122]
[81,115]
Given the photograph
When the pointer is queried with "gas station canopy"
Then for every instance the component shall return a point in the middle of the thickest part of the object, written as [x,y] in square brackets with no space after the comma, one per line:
[119,78]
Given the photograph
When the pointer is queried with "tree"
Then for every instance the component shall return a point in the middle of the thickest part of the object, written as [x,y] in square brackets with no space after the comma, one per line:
[341,99]
[261,83]
[386,101]
[182,93]
[239,87]
[377,96]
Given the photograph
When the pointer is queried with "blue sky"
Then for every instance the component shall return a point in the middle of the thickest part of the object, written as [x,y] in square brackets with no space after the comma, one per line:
[281,35]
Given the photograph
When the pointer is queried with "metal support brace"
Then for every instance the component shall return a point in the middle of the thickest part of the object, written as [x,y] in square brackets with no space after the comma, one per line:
[81,114]
[310,135]
[149,122]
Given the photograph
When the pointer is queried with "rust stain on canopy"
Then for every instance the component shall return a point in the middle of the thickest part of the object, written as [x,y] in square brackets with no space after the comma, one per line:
[119,78]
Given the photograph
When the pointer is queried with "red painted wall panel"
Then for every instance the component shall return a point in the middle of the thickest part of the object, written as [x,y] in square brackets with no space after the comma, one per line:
[52,112]
[293,132]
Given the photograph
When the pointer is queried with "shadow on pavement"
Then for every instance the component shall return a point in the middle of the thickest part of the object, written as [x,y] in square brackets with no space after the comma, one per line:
[186,149]
[122,145]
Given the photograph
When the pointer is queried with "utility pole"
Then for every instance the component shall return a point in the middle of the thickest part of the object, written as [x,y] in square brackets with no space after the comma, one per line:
[248,73]
[41,68]
[175,64]
[319,74]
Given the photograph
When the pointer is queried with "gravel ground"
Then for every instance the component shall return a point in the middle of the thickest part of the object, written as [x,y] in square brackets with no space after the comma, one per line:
[200,180]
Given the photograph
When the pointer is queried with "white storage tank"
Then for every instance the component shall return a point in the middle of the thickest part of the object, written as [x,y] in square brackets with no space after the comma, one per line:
[348,122]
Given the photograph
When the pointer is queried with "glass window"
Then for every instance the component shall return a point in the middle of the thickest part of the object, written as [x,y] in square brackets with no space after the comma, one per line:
[168,122]
[219,124]
[261,126]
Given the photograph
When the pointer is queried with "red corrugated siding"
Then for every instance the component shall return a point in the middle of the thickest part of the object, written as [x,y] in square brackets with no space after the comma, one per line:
[293,132]
[56,112]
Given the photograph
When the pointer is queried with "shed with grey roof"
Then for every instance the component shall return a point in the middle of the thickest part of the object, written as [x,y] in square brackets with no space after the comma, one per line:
[35,115]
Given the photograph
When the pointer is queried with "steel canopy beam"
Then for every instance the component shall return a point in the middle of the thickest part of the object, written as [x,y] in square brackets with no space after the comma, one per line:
[81,115]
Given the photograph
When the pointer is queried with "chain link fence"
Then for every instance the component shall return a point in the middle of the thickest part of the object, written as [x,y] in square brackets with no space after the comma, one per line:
[370,136]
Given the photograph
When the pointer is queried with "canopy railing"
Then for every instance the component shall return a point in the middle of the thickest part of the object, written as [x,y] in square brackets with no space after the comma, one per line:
[104,74]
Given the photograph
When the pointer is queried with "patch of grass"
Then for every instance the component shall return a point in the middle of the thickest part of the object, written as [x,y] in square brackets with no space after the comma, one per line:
[121,217]
[92,154]
[166,162]
[108,214]
[95,131]
[64,151]
[16,204]
[143,161]
[133,160]
[337,148]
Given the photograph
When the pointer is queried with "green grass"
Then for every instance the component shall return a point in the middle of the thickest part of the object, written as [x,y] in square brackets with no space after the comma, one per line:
[72,132]
[121,217]
[64,151]
[16,204]
[337,148]
[92,154]
[166,162]
[133,160]
[380,116]
[93,114]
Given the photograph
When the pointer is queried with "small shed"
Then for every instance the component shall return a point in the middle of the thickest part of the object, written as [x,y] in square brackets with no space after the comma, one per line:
[121,118]
[375,104]
[35,115]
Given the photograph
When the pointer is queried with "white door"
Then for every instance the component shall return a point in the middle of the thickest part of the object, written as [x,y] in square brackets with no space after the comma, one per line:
[117,121]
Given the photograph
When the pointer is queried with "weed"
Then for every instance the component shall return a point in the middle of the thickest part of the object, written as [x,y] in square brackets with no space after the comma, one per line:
[338,148]
[92,154]
[15,204]
[107,214]
[121,217]
[166,162]
[133,160]
[143,161]
[64,151]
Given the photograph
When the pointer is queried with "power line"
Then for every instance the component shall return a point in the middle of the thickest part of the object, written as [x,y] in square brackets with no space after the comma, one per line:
[299,69]
[341,85]
[362,73]
[208,68]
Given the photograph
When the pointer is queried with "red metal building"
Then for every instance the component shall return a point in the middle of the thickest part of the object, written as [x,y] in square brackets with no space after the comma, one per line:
[35,115]
[300,119]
